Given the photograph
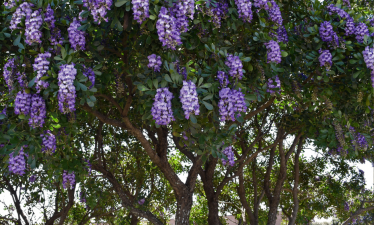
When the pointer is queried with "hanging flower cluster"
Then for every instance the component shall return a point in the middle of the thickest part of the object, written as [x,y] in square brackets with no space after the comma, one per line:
[179,12]
[360,31]
[76,37]
[368,54]
[230,104]
[275,13]
[17,164]
[56,37]
[271,88]
[90,74]
[261,4]
[326,31]
[325,59]
[8,73]
[333,9]
[33,25]
[161,110]
[339,133]
[23,11]
[350,27]
[41,66]
[217,13]
[9,4]
[280,34]
[82,197]
[99,8]
[273,52]
[223,79]
[32,178]
[359,140]
[189,100]
[141,201]
[235,65]
[167,31]
[38,111]
[22,79]
[230,156]
[49,17]
[66,92]
[140,9]
[154,62]
[245,10]
[347,3]
[68,180]
[22,104]
[88,166]
[49,142]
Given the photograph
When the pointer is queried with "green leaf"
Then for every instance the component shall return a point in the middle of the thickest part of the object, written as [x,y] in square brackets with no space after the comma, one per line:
[97,73]
[120,3]
[208,97]
[44,78]
[141,87]
[155,83]
[18,39]
[193,118]
[82,86]
[57,126]
[355,75]
[152,17]
[97,67]
[284,54]
[167,78]
[93,89]
[2,116]
[206,85]
[246,59]
[21,116]
[251,97]
[32,82]
[200,81]
[208,105]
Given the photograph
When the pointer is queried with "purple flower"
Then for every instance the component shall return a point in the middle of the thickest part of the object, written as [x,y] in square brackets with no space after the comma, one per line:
[68,180]
[360,31]
[184,135]
[49,142]
[41,66]
[179,12]
[98,8]
[273,52]
[230,156]
[223,79]
[230,104]
[154,62]
[22,80]
[347,3]
[325,59]
[76,37]
[189,100]
[326,31]
[56,37]
[23,11]
[38,111]
[350,28]
[8,73]
[161,110]
[22,104]
[141,201]
[282,34]
[275,13]
[346,206]
[217,13]
[271,88]
[141,10]
[333,9]
[82,197]
[49,17]
[90,74]
[88,166]
[368,54]
[17,164]
[167,31]
[245,10]
[66,92]
[235,65]
[32,178]
[33,25]
[261,4]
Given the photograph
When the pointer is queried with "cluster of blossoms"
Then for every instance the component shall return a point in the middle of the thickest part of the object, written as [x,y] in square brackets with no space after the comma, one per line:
[161,109]
[368,54]
[235,65]
[8,73]
[49,17]
[76,37]
[33,25]
[32,178]
[68,180]
[261,4]
[141,10]
[141,201]
[230,156]
[333,9]
[99,8]
[223,79]
[22,79]
[181,11]
[350,27]
[273,52]
[38,111]
[89,166]
[90,74]
[339,133]
[245,10]
[218,13]
[275,13]
[361,30]
[56,37]
[167,30]
[82,197]
[66,92]
[280,34]
[41,66]
[359,140]
[154,62]
[184,135]
[49,142]
[326,31]
[325,59]
[231,103]
[23,11]
[22,104]
[10,4]
[271,88]
[189,100]
[17,164]
[347,3]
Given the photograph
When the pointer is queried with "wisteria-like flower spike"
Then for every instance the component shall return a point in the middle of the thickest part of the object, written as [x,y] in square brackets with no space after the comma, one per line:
[161,111]
[235,65]
[154,62]
[189,100]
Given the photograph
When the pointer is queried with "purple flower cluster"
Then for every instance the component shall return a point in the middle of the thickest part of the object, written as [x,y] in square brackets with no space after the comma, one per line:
[66,92]
[141,201]
[49,17]
[245,10]
[22,104]
[261,4]
[56,37]
[273,52]
[230,156]
[24,10]
[350,27]
[275,13]
[179,12]
[189,100]
[167,31]
[17,164]
[32,178]
[333,9]
[347,3]
[368,54]
[49,142]
[361,141]
[82,197]
[41,66]
[218,13]
[325,59]
[360,31]
[90,74]
[346,206]
[161,110]
[184,135]
[223,79]
[22,79]
[280,34]
[76,37]
[235,65]
[271,88]
[99,8]
[10,4]
[33,25]
[8,73]
[326,31]
[231,103]
[68,180]
[38,111]
[88,166]
[154,62]
[140,9]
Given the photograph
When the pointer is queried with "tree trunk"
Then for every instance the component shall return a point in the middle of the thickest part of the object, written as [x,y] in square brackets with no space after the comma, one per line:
[213,217]
[184,205]
[134,220]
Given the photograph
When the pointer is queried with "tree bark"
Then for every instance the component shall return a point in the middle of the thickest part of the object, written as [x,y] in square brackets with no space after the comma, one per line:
[356,214]
[134,220]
